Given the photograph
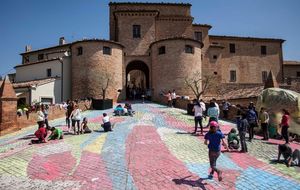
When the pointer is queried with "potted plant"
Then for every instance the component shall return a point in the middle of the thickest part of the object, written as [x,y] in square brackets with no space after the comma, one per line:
[104,103]
[198,84]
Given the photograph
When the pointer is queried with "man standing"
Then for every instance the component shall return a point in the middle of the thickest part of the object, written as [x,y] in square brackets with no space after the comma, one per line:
[264,123]
[252,120]
[225,105]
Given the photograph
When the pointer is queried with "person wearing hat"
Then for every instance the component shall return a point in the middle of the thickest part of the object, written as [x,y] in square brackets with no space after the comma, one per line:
[213,139]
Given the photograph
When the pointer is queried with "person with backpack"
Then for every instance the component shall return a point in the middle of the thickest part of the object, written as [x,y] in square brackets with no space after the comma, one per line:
[253,122]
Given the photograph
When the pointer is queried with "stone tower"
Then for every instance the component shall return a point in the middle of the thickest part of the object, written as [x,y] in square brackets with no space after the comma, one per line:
[8,107]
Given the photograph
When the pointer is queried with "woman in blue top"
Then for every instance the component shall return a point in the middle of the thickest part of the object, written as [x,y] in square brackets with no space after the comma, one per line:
[214,137]
[213,112]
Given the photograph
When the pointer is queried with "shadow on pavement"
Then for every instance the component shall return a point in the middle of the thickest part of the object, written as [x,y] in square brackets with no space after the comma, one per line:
[194,183]
[27,137]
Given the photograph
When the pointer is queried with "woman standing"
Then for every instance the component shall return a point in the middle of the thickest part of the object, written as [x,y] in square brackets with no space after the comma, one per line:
[198,113]
[214,137]
[40,116]
[213,112]
[285,125]
[169,98]
[76,117]
[45,109]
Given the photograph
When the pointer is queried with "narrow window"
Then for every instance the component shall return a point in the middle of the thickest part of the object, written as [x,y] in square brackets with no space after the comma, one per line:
[232,48]
[198,36]
[136,31]
[263,50]
[49,73]
[79,51]
[106,50]
[40,56]
[26,59]
[232,76]
[162,50]
[189,49]
[264,76]
[298,74]
[215,57]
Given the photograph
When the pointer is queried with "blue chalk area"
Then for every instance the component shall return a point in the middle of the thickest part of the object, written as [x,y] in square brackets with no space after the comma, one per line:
[201,170]
[226,163]
[260,180]
[114,155]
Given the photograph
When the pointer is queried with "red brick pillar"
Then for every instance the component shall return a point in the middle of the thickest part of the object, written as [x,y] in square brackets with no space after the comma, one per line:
[8,108]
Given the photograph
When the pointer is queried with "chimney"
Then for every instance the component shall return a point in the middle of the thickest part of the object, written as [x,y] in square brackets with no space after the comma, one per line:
[27,48]
[62,41]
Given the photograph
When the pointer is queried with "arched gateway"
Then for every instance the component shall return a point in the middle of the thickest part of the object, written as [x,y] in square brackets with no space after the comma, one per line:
[137,78]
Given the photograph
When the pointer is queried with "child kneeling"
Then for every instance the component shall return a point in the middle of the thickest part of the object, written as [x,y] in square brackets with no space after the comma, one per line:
[106,123]
[233,141]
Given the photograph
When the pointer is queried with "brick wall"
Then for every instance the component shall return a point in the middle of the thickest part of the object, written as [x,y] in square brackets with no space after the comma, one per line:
[89,70]
[170,69]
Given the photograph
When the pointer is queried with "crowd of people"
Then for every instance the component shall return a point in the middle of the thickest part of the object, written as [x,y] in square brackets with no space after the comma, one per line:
[246,120]
[75,123]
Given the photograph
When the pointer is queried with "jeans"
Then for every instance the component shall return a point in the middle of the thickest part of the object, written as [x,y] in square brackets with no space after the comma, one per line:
[251,130]
[68,122]
[285,133]
[78,125]
[265,129]
[198,119]
[243,141]
[173,102]
[107,126]
[213,156]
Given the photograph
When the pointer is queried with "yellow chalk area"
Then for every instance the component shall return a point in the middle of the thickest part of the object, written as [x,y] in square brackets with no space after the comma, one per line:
[96,145]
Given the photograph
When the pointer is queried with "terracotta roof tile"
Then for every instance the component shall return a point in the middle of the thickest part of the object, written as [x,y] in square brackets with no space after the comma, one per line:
[31,83]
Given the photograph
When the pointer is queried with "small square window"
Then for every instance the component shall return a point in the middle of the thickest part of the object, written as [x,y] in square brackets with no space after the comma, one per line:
[136,31]
[106,50]
[232,76]
[40,56]
[232,48]
[215,57]
[263,50]
[49,73]
[189,49]
[298,74]
[79,51]
[162,50]
[198,36]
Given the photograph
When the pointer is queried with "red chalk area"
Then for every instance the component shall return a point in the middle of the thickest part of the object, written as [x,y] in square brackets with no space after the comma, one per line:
[152,165]
[91,171]
[52,167]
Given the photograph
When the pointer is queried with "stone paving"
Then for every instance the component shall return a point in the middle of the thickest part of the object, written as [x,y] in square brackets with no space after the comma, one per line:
[152,150]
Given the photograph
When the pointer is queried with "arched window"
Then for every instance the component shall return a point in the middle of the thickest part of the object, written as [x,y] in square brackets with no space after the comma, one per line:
[189,49]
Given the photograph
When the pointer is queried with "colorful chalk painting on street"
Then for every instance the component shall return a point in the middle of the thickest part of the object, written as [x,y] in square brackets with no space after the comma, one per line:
[154,149]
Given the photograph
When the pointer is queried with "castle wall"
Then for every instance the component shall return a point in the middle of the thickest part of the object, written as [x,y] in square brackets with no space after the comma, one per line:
[136,46]
[164,10]
[170,69]
[91,69]
[247,61]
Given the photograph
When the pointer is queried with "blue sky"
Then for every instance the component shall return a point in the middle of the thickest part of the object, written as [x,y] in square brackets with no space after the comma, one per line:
[40,23]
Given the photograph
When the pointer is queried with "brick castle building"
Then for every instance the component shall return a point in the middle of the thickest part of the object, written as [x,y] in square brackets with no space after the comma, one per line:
[152,45]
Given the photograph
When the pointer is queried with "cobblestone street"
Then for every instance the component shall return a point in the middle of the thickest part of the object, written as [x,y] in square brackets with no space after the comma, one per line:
[152,150]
